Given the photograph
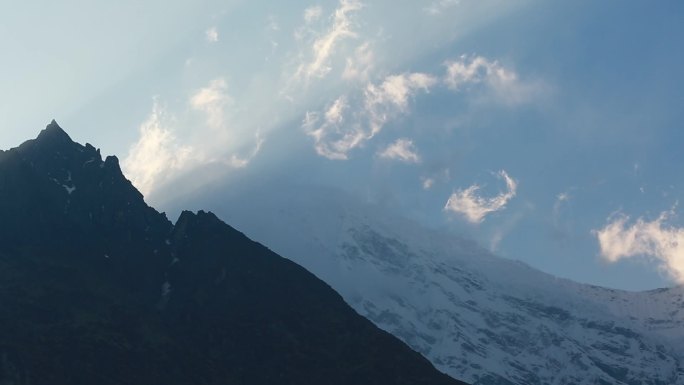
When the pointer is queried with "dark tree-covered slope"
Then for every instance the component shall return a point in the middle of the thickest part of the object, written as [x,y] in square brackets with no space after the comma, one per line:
[96,287]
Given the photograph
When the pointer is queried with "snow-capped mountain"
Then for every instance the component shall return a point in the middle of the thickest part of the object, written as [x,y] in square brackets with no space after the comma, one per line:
[477,317]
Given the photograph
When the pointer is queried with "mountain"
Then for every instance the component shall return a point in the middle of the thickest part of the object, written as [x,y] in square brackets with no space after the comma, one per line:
[96,287]
[476,316]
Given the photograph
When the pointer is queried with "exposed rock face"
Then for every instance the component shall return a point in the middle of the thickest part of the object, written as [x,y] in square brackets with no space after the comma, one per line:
[96,287]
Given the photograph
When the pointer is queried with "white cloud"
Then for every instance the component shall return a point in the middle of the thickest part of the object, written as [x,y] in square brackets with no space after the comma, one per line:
[654,240]
[215,101]
[333,136]
[212,137]
[211,35]
[402,150]
[502,82]
[475,208]
[439,6]
[342,128]
[156,154]
[391,97]
[212,100]
[342,42]
[335,114]
[467,70]
[323,47]
[396,89]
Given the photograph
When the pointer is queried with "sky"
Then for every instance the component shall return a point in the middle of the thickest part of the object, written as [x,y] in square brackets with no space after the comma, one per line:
[550,132]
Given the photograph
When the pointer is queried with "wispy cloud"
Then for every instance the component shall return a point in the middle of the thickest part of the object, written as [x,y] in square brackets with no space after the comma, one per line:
[211,35]
[653,240]
[212,137]
[157,155]
[342,127]
[324,45]
[474,207]
[384,101]
[333,137]
[212,100]
[341,42]
[215,102]
[503,82]
[395,90]
[402,150]
[467,70]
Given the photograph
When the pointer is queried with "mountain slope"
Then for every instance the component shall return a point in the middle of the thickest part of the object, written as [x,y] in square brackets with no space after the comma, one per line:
[477,317]
[96,287]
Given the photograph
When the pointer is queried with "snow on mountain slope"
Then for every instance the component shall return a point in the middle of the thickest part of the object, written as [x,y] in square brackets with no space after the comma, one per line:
[477,317]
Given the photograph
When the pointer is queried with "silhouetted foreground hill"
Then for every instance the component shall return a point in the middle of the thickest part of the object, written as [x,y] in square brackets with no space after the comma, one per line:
[96,287]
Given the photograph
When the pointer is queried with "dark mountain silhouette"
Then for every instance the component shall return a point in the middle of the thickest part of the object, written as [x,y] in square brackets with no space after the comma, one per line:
[96,287]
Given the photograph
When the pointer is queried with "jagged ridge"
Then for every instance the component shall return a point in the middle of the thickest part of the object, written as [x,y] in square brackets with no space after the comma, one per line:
[97,287]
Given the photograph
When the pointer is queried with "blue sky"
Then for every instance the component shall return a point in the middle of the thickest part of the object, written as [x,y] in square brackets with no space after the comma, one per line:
[551,132]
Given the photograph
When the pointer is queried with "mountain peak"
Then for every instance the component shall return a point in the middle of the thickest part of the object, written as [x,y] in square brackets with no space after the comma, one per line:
[54,133]
[65,183]
[136,300]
